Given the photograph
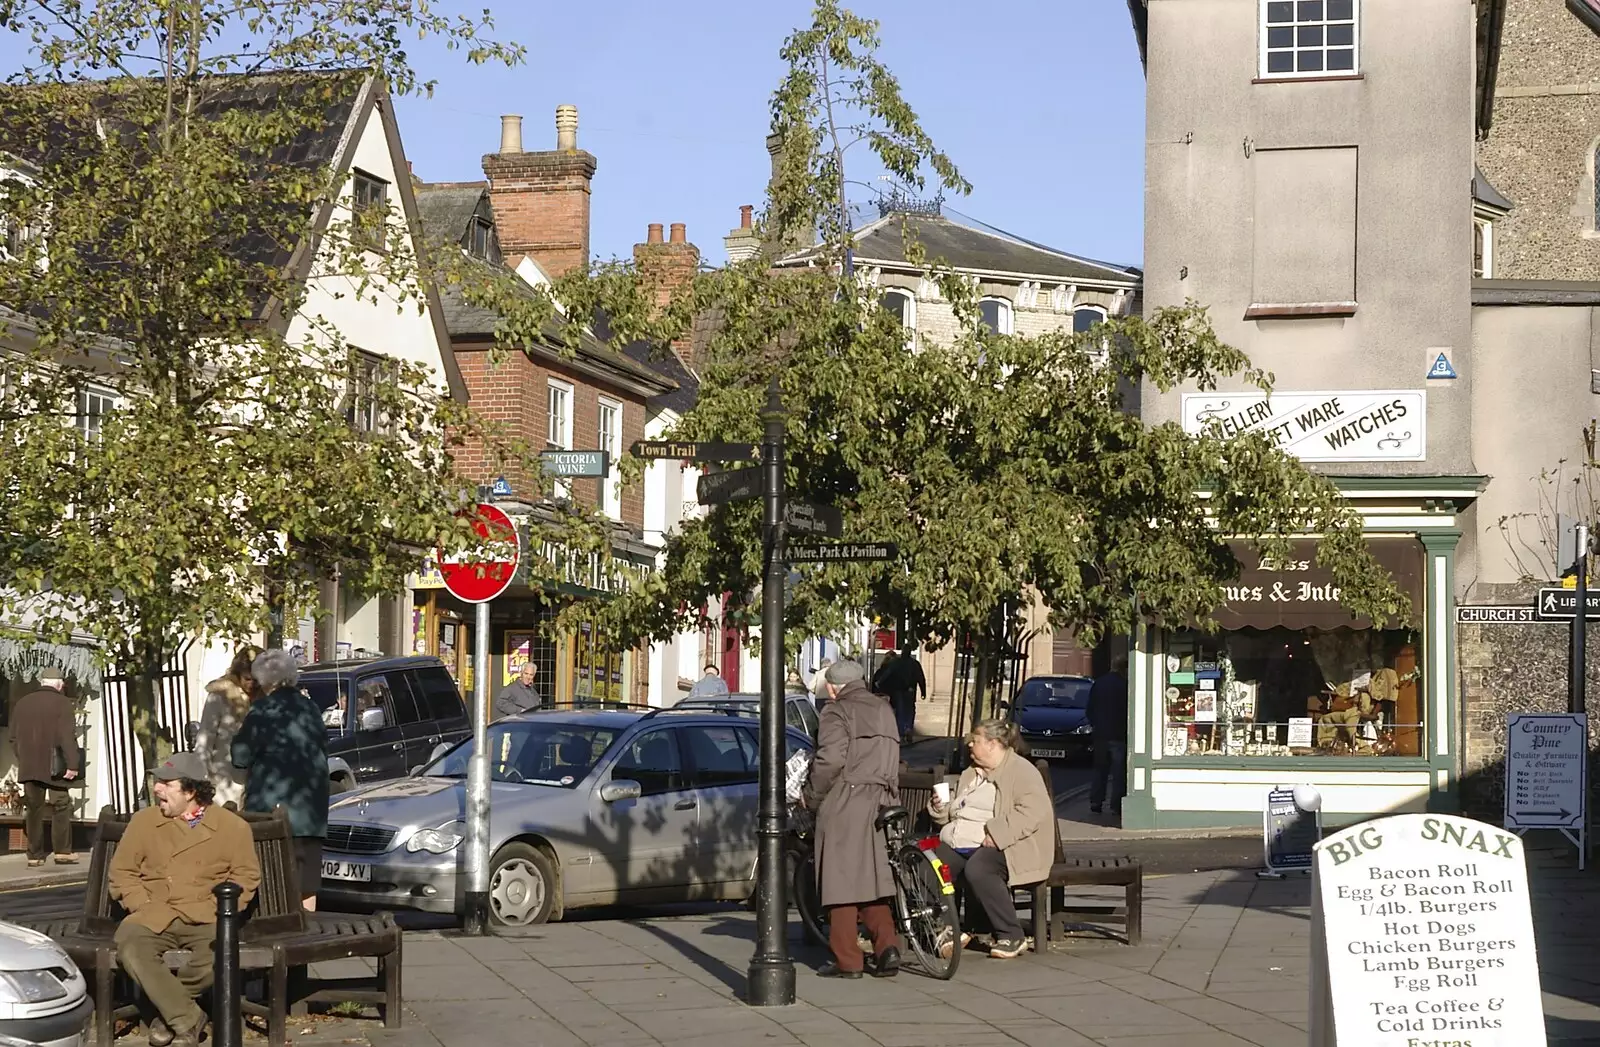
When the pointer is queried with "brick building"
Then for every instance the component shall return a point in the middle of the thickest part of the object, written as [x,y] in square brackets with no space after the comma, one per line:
[530,219]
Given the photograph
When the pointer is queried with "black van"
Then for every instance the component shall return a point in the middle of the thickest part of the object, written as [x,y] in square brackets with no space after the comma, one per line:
[384,715]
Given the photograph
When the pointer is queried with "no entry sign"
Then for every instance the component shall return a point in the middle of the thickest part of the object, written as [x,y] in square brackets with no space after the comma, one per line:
[481,574]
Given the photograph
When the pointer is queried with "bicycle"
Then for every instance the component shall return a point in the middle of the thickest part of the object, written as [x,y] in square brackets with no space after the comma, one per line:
[924,902]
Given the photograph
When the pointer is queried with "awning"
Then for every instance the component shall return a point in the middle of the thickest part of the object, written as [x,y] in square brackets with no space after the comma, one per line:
[1299,594]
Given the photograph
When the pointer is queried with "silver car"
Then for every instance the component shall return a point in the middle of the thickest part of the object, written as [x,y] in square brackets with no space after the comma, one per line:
[587,808]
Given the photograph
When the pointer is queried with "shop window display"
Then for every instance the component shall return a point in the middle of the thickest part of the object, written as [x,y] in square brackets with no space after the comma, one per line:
[1293,692]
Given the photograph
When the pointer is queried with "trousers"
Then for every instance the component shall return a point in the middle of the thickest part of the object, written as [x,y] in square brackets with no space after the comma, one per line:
[842,939]
[983,875]
[141,952]
[1110,769]
[35,798]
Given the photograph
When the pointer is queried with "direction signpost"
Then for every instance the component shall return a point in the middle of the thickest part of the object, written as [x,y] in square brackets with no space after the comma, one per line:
[816,521]
[478,577]
[696,451]
[815,553]
[1561,604]
[1547,775]
[735,485]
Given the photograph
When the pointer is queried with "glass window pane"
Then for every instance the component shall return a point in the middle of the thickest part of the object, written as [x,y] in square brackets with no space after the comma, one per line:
[1341,59]
[896,304]
[1282,36]
[1341,35]
[652,760]
[1341,9]
[1311,36]
[989,314]
[1280,62]
[1083,319]
[717,756]
[1310,11]
[1310,62]
[1280,11]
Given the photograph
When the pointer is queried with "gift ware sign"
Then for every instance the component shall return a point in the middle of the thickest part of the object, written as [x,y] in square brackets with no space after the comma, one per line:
[1338,426]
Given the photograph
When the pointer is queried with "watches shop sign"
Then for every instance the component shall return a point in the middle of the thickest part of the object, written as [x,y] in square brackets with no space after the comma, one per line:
[1335,426]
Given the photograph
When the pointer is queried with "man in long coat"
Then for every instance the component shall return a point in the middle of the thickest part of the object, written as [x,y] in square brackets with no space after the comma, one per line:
[855,772]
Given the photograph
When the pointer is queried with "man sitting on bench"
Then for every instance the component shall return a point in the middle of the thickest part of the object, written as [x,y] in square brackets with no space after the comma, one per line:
[170,857]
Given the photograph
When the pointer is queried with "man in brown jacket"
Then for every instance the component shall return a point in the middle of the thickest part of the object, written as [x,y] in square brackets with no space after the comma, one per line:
[856,772]
[170,858]
[41,726]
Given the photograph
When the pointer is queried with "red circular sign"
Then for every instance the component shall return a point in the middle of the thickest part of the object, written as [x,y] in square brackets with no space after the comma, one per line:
[481,574]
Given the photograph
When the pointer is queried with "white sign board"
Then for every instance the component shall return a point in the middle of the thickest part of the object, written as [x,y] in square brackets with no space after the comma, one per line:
[1546,770]
[1386,425]
[1422,934]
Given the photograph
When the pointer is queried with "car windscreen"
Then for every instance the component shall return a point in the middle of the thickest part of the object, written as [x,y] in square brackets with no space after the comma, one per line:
[1061,693]
[536,752]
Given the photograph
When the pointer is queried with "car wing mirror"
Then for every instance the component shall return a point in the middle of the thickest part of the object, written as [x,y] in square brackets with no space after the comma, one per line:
[621,789]
[438,751]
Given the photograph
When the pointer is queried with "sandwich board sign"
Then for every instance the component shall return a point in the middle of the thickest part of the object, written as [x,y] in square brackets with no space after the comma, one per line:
[1547,775]
[1421,933]
[1291,827]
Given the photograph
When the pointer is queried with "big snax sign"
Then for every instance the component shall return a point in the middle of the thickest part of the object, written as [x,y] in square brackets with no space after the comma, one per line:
[1421,936]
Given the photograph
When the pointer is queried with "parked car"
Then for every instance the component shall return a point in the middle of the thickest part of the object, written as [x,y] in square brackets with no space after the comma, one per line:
[385,716]
[1052,713]
[587,807]
[799,710]
[44,999]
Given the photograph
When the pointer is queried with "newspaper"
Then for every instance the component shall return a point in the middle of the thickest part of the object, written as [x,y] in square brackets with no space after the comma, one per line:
[796,772]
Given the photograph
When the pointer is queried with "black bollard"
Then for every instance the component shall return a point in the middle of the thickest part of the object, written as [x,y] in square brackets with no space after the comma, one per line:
[227,1021]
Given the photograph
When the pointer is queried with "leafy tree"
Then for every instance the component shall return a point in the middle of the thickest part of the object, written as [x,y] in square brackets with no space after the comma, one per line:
[178,239]
[1007,468]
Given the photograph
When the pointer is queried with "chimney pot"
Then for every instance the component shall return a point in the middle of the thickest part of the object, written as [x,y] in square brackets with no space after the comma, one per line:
[567,127]
[745,213]
[678,233]
[510,134]
[653,234]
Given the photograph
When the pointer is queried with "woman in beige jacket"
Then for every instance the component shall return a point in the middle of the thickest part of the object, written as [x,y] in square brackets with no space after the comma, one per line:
[997,832]
[228,698]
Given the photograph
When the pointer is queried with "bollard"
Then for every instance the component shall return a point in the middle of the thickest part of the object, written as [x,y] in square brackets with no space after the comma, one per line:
[227,1022]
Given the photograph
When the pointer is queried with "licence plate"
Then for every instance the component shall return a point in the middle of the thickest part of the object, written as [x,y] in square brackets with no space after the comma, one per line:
[1059,754]
[347,871]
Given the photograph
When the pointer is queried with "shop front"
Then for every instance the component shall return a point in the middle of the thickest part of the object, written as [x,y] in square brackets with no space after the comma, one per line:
[1292,689]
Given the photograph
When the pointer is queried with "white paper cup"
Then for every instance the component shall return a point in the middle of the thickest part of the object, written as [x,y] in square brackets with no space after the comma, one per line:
[941,791]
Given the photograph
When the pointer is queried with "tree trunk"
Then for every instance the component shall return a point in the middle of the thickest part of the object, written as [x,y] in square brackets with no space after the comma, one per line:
[144,681]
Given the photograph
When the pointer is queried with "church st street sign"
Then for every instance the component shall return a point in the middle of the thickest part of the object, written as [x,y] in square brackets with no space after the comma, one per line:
[1499,615]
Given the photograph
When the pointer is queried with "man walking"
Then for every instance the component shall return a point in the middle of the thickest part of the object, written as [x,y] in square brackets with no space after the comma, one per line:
[854,774]
[901,678]
[520,695]
[163,872]
[710,685]
[1108,724]
[45,741]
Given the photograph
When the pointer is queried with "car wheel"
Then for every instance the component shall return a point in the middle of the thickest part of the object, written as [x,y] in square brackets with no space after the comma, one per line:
[522,886]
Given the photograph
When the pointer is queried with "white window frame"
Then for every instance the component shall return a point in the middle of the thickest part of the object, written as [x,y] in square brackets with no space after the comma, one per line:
[909,323]
[1007,313]
[1485,227]
[611,444]
[375,240]
[1296,48]
[361,409]
[89,425]
[558,426]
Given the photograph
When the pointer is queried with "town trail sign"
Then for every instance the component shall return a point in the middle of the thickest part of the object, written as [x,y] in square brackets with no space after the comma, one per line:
[1380,425]
[696,451]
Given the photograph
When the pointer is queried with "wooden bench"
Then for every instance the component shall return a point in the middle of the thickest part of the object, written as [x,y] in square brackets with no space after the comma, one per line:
[278,937]
[916,790]
[1053,919]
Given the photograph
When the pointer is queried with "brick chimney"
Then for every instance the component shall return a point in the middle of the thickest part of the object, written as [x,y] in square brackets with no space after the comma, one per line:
[742,243]
[668,266]
[784,241]
[541,199]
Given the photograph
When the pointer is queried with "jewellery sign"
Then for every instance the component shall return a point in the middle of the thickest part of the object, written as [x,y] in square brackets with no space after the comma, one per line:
[1348,426]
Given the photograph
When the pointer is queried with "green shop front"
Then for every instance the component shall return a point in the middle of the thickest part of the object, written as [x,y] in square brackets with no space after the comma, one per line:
[1292,689]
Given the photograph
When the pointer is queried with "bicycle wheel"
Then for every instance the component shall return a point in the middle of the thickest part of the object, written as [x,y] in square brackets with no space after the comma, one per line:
[803,890]
[927,914]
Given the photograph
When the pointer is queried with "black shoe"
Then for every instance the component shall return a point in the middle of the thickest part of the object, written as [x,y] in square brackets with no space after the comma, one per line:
[887,963]
[1008,948]
[833,970]
[1095,808]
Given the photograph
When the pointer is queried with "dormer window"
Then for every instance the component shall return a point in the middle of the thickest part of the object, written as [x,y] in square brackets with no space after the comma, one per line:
[478,237]
[369,205]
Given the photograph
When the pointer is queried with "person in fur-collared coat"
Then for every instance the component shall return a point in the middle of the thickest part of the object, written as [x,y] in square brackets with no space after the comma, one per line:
[228,698]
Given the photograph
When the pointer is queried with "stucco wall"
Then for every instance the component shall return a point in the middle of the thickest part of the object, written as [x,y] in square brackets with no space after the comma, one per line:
[1532,399]
[1540,149]
[1410,120]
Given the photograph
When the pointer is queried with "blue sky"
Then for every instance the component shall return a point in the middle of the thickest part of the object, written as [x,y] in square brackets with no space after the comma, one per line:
[1039,102]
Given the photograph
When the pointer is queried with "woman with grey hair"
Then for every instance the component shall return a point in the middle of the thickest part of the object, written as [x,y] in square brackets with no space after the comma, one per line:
[285,747]
[998,832]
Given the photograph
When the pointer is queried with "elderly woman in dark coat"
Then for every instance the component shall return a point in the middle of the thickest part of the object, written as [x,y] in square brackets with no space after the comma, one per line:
[855,772]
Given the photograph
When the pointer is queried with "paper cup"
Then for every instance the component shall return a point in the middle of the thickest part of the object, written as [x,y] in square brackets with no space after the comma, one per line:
[942,791]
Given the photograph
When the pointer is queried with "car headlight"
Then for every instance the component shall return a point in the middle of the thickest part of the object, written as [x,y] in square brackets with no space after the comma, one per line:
[442,840]
[1083,728]
[30,987]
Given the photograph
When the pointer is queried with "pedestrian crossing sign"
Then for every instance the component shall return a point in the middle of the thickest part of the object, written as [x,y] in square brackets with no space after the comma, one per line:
[1442,368]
